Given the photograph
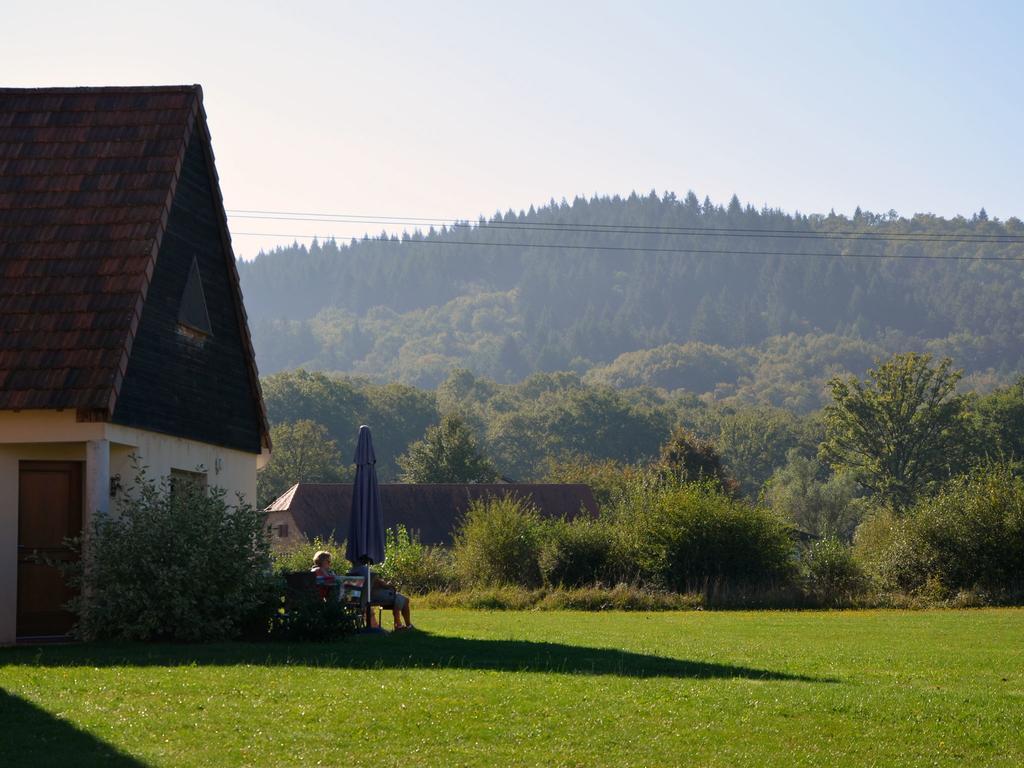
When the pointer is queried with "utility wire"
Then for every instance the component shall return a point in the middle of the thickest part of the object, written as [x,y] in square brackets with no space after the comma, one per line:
[645,249]
[630,229]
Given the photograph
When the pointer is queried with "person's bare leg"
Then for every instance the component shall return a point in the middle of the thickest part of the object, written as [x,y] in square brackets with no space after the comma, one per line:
[405,614]
[398,617]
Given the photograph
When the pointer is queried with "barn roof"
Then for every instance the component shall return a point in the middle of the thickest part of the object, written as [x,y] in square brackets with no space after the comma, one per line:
[433,510]
[87,179]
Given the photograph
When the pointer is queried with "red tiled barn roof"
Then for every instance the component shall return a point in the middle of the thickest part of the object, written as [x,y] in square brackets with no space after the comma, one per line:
[87,178]
[433,510]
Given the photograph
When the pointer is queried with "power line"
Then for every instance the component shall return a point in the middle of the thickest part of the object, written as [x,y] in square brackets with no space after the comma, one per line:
[645,249]
[630,229]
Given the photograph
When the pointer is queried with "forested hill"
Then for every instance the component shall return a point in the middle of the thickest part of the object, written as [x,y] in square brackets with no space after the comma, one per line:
[676,299]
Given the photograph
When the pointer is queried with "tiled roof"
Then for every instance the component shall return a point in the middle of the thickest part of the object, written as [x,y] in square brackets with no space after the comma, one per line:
[433,510]
[87,178]
[86,182]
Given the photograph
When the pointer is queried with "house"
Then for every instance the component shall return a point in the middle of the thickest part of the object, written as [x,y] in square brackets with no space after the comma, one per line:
[307,510]
[122,329]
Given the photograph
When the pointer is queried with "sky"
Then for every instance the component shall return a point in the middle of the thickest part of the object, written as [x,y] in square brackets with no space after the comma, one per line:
[456,109]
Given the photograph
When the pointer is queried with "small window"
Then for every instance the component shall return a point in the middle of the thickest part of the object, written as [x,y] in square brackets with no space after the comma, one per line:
[282,531]
[181,479]
[193,316]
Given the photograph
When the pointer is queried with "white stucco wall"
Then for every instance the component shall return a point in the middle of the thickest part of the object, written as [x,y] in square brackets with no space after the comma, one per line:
[235,471]
[57,436]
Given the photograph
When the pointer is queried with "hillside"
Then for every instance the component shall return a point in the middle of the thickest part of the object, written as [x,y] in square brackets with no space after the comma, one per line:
[757,305]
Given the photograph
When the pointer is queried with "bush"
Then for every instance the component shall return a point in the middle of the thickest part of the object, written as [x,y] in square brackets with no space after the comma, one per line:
[890,559]
[621,597]
[606,478]
[308,617]
[833,577]
[414,566]
[970,537]
[173,563]
[498,543]
[299,555]
[690,535]
[632,559]
[500,598]
[576,553]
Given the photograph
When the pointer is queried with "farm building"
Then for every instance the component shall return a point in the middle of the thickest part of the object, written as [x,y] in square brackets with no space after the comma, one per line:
[122,329]
[433,511]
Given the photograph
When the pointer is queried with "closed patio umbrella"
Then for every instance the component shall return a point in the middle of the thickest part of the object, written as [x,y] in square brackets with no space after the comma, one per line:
[366,525]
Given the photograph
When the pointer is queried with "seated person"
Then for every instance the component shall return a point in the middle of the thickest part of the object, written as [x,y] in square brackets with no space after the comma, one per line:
[384,594]
[326,579]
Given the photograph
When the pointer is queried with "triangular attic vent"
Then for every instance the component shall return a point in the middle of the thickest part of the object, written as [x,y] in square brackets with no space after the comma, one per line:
[193,303]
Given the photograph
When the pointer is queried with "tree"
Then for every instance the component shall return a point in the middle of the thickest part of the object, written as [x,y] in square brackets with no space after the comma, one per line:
[303,453]
[825,508]
[755,442]
[446,454]
[685,457]
[899,432]
[1000,422]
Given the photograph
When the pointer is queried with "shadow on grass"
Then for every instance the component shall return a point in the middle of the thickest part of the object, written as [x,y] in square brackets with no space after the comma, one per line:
[412,650]
[34,737]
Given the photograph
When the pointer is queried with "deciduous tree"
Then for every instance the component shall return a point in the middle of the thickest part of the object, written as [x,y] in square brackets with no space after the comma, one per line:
[901,430]
[303,453]
[447,454]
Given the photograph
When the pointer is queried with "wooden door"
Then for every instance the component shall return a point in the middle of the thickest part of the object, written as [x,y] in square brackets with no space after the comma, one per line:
[49,510]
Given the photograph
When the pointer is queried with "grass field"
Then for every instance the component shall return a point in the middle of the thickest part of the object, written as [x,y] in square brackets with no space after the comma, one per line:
[590,689]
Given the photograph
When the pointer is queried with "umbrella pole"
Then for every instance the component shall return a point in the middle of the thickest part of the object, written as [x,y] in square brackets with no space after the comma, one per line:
[369,597]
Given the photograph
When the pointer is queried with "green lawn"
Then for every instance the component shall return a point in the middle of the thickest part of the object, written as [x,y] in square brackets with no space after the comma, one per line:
[587,689]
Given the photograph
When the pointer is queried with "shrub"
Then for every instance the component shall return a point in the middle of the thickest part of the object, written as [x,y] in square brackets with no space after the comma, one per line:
[498,543]
[972,533]
[690,535]
[173,563]
[414,566]
[632,559]
[833,577]
[606,478]
[970,537]
[576,553]
[500,598]
[621,597]
[890,559]
[686,457]
[298,556]
[308,617]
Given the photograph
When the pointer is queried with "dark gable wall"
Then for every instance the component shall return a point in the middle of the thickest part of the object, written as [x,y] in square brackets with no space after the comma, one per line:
[175,384]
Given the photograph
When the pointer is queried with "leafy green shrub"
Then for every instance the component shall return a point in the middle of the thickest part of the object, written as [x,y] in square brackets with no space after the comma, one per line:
[970,537]
[498,543]
[298,556]
[414,566]
[172,564]
[832,575]
[575,553]
[973,532]
[311,618]
[606,478]
[891,559]
[632,559]
[689,535]
[499,598]
[621,597]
